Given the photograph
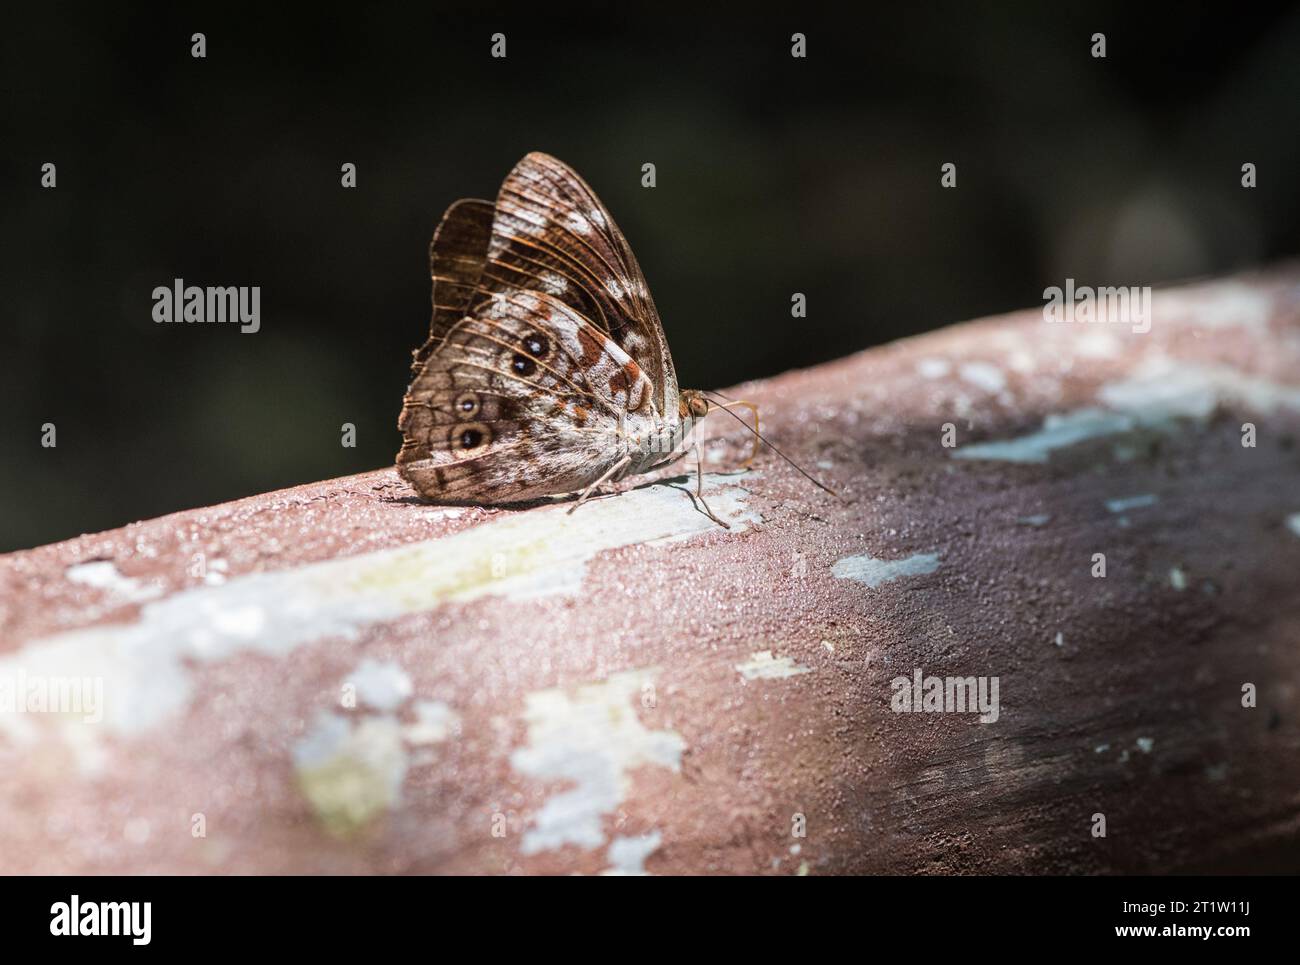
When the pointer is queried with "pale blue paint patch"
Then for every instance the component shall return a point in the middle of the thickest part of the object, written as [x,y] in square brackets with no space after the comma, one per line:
[1058,432]
[873,572]
[1132,502]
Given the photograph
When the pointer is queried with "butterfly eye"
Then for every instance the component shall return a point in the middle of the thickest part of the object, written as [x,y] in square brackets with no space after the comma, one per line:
[469,437]
[523,365]
[467,405]
[537,345]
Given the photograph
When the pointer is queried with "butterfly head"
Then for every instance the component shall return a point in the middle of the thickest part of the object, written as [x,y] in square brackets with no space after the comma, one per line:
[692,404]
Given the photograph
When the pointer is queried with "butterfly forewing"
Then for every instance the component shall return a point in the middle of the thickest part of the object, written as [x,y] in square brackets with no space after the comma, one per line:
[551,233]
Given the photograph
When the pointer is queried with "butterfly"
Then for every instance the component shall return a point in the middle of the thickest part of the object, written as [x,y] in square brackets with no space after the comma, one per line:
[546,370]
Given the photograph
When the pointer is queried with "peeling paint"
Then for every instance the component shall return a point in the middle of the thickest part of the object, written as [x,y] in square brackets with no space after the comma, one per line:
[763,666]
[1222,305]
[983,375]
[627,856]
[383,686]
[1098,345]
[1058,432]
[215,572]
[1160,391]
[933,368]
[434,723]
[873,572]
[351,773]
[146,665]
[1132,502]
[590,739]
[104,575]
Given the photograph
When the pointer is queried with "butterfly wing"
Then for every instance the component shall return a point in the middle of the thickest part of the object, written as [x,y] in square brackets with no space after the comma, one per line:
[551,233]
[520,399]
[528,376]
[457,254]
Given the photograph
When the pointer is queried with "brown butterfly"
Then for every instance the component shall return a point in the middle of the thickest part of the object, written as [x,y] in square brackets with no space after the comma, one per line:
[546,369]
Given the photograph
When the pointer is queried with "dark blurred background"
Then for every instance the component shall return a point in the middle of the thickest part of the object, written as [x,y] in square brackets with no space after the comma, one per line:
[775,175]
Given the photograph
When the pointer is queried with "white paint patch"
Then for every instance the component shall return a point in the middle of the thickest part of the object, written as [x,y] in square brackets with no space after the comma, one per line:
[1163,389]
[763,666]
[383,686]
[215,572]
[1160,391]
[1058,432]
[984,375]
[1221,305]
[1145,744]
[933,368]
[1178,579]
[873,572]
[146,665]
[351,774]
[103,575]
[1021,361]
[1041,519]
[627,855]
[1060,638]
[1098,345]
[434,723]
[590,739]
[1293,523]
[1132,502]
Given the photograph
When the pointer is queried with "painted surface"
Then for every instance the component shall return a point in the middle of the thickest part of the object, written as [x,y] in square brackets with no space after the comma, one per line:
[763,666]
[145,663]
[633,690]
[873,572]
[590,739]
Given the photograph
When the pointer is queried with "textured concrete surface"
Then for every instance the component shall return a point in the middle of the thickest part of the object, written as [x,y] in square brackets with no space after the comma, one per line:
[339,678]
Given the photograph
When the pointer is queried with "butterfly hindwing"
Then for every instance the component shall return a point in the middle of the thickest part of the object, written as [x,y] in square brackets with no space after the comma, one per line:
[456,258]
[525,376]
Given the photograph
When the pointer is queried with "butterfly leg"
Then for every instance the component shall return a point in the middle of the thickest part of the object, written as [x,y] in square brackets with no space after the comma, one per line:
[699,487]
[613,470]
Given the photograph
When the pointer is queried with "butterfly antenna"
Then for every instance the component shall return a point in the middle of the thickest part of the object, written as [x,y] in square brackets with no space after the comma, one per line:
[812,479]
